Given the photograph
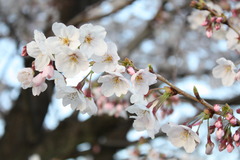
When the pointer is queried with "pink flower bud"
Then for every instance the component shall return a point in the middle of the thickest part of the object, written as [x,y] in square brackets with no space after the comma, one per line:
[48,71]
[234,13]
[230,147]
[213,19]
[205,23]
[218,123]
[38,80]
[24,51]
[229,116]
[131,71]
[209,32]
[220,133]
[211,129]
[209,147]
[221,147]
[236,136]
[219,20]
[216,107]
[238,110]
[233,121]
[237,144]
[217,26]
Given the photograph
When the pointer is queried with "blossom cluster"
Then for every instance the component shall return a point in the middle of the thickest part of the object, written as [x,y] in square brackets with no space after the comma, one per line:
[72,52]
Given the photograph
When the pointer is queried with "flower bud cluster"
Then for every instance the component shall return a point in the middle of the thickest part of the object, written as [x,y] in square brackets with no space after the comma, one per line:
[212,22]
[223,134]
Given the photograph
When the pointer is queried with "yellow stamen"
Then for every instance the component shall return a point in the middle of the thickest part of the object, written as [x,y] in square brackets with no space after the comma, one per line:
[73,58]
[88,39]
[139,78]
[184,135]
[116,80]
[108,59]
[66,41]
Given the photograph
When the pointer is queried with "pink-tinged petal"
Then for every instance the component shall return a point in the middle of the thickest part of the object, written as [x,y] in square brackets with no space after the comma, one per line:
[41,61]
[38,80]
[48,71]
[36,90]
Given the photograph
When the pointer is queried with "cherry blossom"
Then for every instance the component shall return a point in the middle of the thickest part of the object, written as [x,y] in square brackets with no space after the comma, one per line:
[108,62]
[181,136]
[38,88]
[71,96]
[71,62]
[39,50]
[92,40]
[141,81]
[25,76]
[144,119]
[90,106]
[66,35]
[225,71]
[114,83]
[197,18]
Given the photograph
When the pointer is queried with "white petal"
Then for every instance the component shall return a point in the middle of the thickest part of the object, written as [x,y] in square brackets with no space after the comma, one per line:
[190,145]
[58,28]
[100,47]
[33,49]
[41,61]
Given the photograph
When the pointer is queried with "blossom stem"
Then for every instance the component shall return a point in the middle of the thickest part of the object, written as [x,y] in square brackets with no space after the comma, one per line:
[181,92]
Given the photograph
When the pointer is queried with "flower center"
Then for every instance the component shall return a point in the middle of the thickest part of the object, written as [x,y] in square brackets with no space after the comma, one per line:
[228,68]
[184,135]
[88,39]
[139,78]
[108,59]
[66,41]
[72,96]
[73,58]
[116,80]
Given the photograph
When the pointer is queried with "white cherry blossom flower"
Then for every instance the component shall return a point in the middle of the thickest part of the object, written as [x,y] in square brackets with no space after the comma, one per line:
[114,83]
[215,7]
[181,136]
[197,18]
[37,89]
[91,107]
[144,119]
[92,40]
[108,62]
[233,40]
[71,96]
[66,35]
[25,76]
[39,50]
[141,81]
[225,71]
[71,62]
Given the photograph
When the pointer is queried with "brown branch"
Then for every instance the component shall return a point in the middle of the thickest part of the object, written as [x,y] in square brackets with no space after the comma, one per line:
[84,16]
